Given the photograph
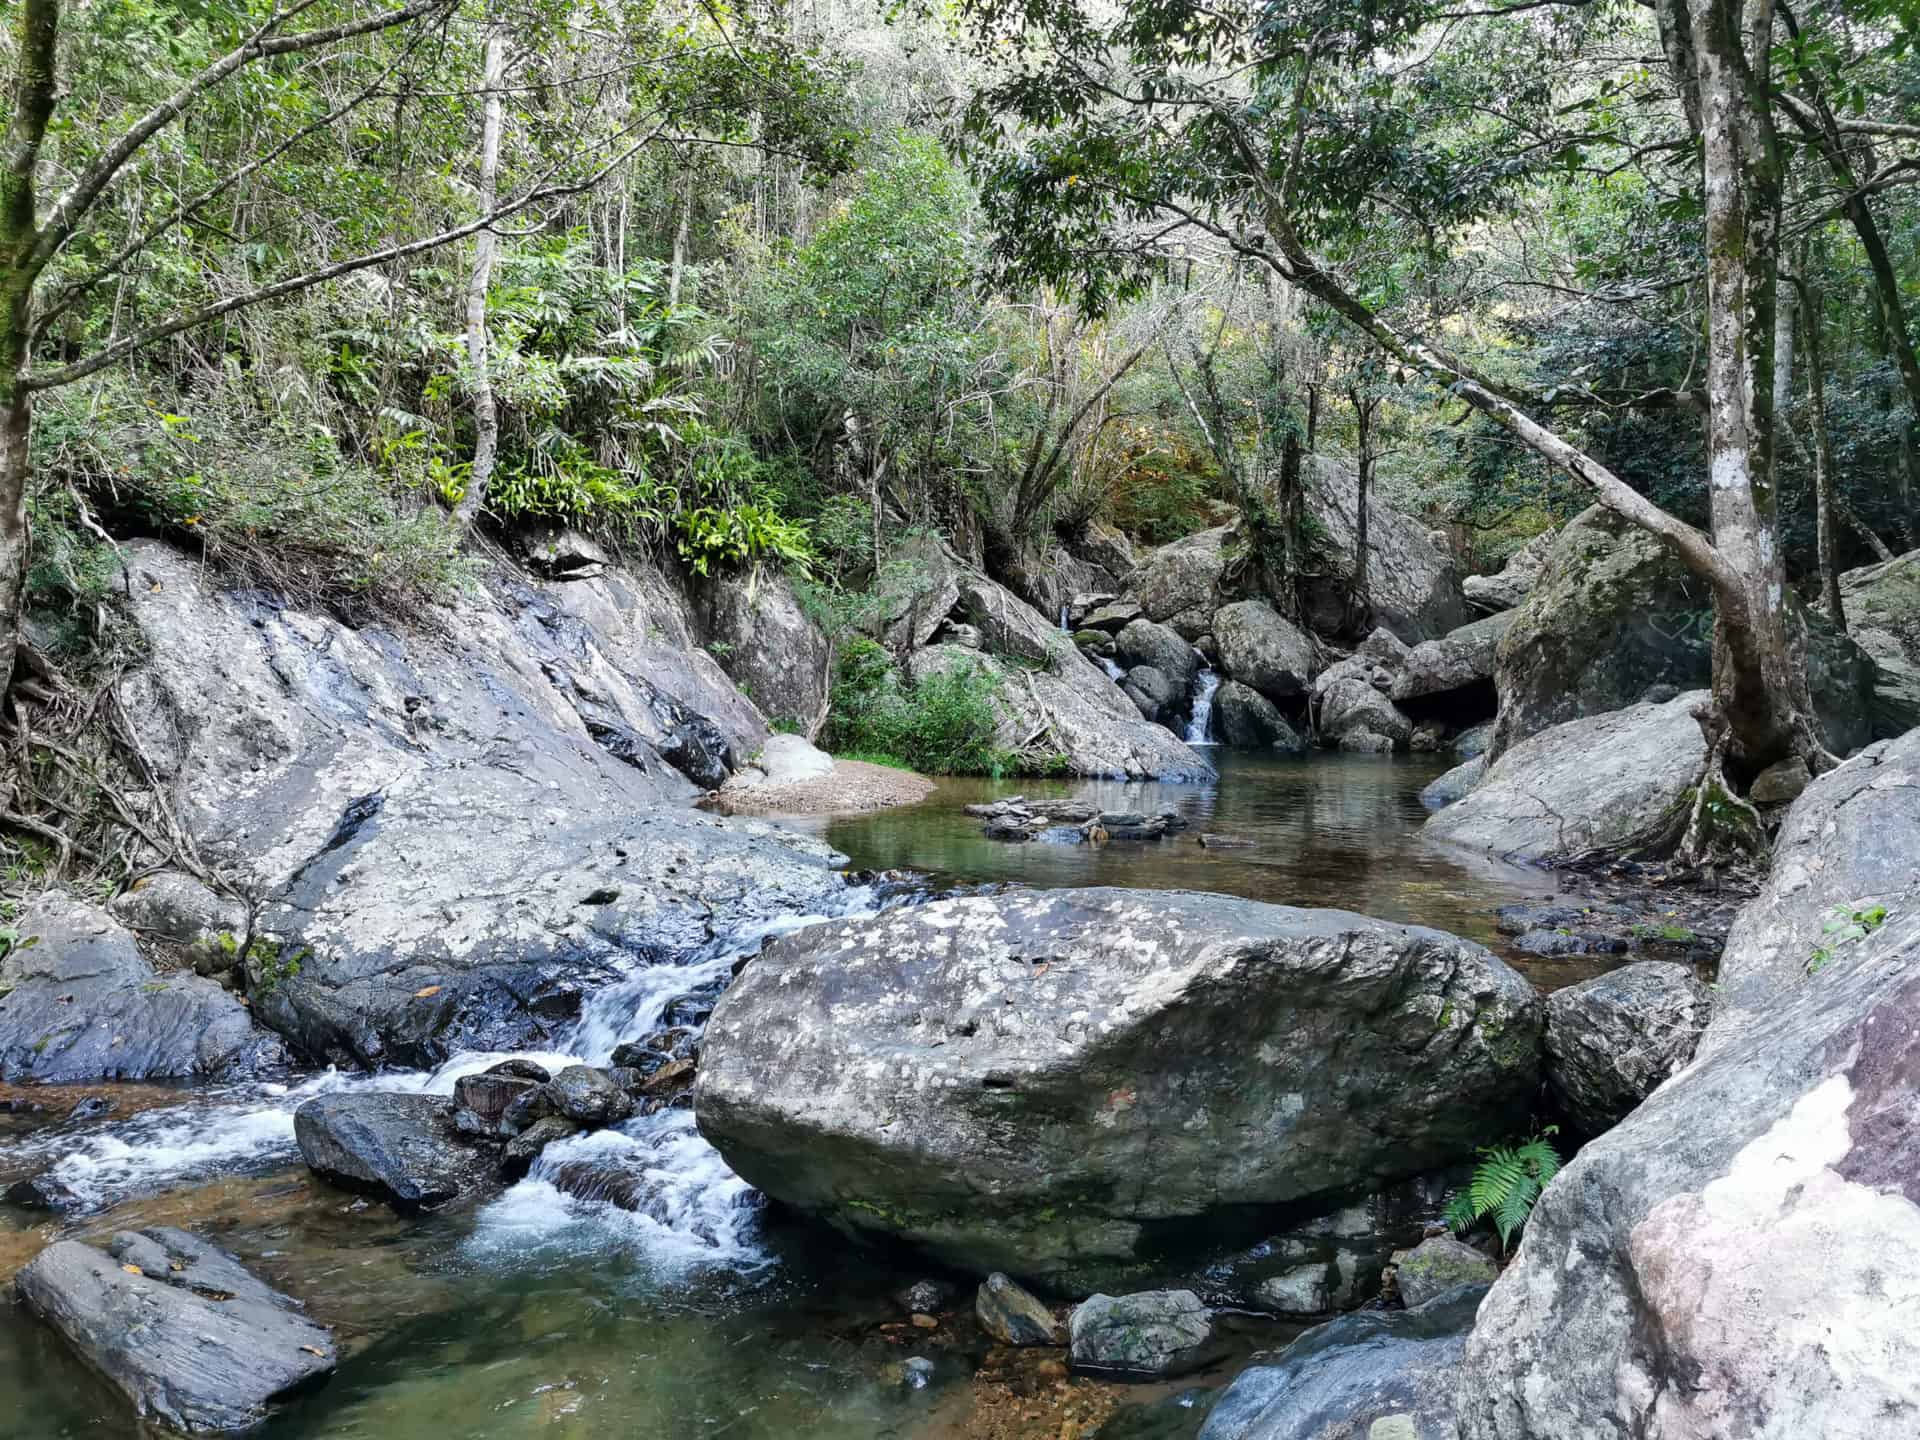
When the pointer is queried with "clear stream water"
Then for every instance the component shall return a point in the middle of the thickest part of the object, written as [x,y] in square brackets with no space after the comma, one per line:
[539,1314]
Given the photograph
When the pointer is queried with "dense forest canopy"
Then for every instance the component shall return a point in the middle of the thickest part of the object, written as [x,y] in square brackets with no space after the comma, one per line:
[335,290]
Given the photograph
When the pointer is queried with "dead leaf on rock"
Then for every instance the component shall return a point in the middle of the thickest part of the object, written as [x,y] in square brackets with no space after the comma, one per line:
[423,994]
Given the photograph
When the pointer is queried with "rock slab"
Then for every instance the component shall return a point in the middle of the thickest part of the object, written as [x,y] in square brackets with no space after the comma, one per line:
[184,1331]
[1046,1083]
[1613,1040]
[401,1148]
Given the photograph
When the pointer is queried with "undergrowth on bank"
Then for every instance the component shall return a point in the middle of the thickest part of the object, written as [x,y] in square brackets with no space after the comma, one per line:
[942,724]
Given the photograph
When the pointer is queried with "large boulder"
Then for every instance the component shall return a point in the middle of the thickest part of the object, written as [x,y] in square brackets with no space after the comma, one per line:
[1153,1333]
[400,1148]
[1246,720]
[1613,783]
[1357,715]
[1178,584]
[1142,642]
[461,829]
[1377,1375]
[1413,589]
[1262,650]
[1514,581]
[1065,1082]
[1740,1257]
[1850,843]
[1882,604]
[754,626]
[79,1002]
[1460,661]
[1615,614]
[1613,1040]
[192,1339]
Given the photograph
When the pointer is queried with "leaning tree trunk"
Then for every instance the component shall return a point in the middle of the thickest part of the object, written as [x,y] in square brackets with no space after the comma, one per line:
[486,415]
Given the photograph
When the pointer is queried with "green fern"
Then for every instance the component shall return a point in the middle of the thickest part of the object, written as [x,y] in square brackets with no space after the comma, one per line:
[1506,1183]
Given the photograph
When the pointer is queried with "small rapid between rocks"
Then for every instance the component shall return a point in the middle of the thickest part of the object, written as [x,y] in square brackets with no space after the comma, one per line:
[1200,723]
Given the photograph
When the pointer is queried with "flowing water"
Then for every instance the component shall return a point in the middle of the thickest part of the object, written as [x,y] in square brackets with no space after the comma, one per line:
[698,1313]
[1200,722]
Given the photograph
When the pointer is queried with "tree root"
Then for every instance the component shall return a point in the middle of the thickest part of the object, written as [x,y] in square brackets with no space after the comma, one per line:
[1722,827]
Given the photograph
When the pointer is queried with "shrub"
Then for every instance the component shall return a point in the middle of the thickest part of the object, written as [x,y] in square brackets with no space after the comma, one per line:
[1505,1185]
[943,725]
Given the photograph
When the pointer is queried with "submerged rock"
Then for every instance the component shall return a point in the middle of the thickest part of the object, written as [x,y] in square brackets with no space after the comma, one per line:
[1154,1333]
[1613,1040]
[78,1002]
[1436,1265]
[1740,1255]
[1060,1081]
[1456,784]
[1614,783]
[190,1337]
[1013,1316]
[400,1148]
[1378,1375]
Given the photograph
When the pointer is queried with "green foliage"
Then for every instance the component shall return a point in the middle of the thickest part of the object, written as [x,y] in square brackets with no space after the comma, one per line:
[1505,1185]
[1846,925]
[944,724]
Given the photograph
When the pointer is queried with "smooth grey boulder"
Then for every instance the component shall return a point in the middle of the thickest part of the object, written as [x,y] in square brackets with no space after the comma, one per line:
[1151,1333]
[459,829]
[79,1002]
[1614,1039]
[1851,842]
[1413,589]
[1615,614]
[1064,1081]
[1436,1265]
[1474,741]
[589,1097]
[1142,642]
[1375,1375]
[1014,1316]
[1262,650]
[754,627]
[790,759]
[1455,784]
[173,906]
[1246,720]
[1177,584]
[1882,605]
[1459,660]
[1514,581]
[1152,692]
[192,1339]
[1740,1256]
[400,1148]
[1611,784]
[1356,715]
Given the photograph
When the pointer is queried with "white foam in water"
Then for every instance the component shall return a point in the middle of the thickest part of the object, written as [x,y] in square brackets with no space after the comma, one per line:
[1205,683]
[695,1213]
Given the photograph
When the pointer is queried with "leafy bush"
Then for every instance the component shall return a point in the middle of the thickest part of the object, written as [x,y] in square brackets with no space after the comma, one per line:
[943,725]
[1505,1185]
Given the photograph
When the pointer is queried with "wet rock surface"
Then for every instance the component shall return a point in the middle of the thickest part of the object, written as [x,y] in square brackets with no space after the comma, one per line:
[1436,1265]
[1049,1083]
[399,1148]
[1614,1039]
[79,1001]
[190,1337]
[1013,1315]
[1151,1333]
[1377,1375]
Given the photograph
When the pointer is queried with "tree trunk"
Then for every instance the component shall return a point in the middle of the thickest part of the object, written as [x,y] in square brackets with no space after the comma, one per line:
[16,431]
[1363,427]
[680,231]
[486,416]
[1763,708]
[1812,303]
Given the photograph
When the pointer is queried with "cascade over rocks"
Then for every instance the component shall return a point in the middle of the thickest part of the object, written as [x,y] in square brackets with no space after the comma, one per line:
[454,838]
[1882,604]
[1376,1375]
[1615,614]
[78,1001]
[192,1338]
[1608,783]
[1061,1083]
[1740,1256]
[1614,1039]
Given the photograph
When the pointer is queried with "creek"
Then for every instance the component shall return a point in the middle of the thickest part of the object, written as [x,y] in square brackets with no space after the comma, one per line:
[700,1313]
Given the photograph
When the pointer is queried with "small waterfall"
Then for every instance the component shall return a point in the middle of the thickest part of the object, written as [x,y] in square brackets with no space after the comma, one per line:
[1063,620]
[1200,726]
[1112,667]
